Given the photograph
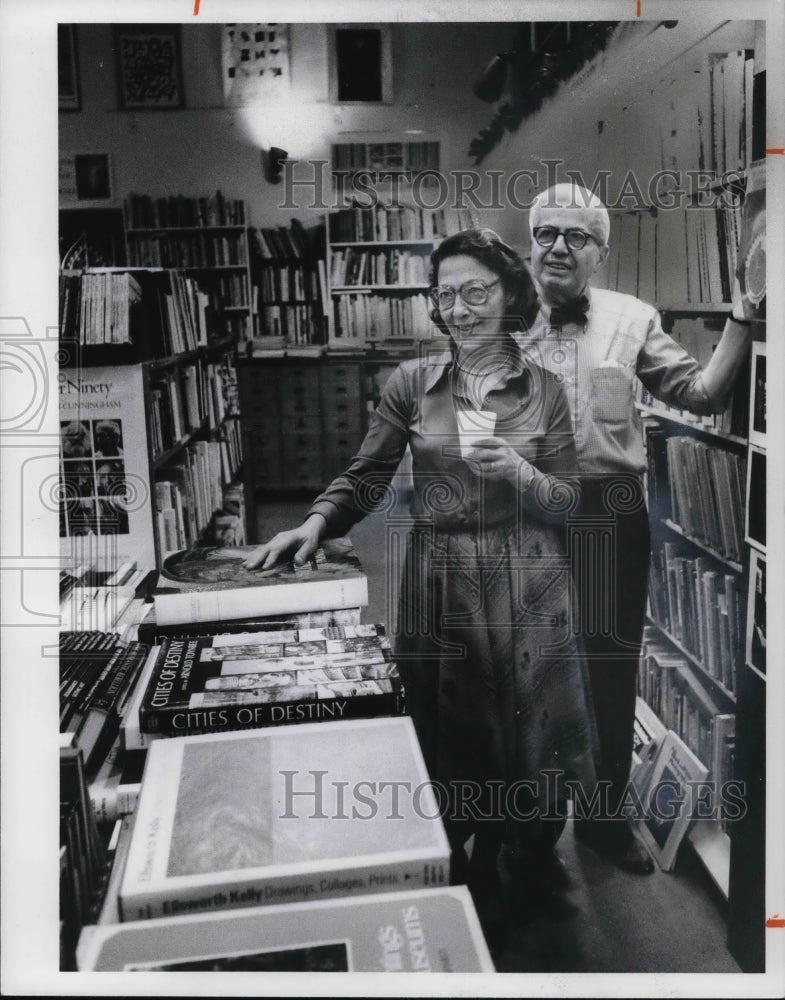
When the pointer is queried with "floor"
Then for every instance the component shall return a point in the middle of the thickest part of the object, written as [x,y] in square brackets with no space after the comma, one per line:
[606,921]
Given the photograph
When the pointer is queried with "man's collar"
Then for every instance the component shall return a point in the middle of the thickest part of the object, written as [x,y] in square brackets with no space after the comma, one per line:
[546,307]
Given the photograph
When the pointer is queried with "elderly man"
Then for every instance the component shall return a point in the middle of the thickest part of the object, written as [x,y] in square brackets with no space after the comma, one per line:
[600,341]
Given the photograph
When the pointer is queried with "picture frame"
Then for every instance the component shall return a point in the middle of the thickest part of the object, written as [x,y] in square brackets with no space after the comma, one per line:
[755,527]
[757,428]
[755,650]
[149,67]
[359,62]
[69,93]
[85,177]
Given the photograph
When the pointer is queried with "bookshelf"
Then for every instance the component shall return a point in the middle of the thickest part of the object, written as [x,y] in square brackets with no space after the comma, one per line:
[376,269]
[150,423]
[204,237]
[286,287]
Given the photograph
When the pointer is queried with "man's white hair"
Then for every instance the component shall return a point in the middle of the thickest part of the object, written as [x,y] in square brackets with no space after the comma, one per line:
[573,196]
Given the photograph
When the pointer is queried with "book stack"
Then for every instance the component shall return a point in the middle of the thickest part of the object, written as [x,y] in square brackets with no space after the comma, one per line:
[259,817]
[98,671]
[253,679]
[396,222]
[208,583]
[363,319]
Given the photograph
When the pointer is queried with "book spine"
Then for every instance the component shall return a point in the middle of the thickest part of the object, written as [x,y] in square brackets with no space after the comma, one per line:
[265,889]
[179,720]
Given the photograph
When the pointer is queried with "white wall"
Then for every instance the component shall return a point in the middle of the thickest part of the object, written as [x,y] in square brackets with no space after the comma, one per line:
[206,146]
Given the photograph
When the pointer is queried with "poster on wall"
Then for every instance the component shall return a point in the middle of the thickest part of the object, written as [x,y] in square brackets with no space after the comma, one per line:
[149,67]
[255,63]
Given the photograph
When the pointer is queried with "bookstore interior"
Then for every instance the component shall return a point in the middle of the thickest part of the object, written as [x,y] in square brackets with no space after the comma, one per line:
[247,214]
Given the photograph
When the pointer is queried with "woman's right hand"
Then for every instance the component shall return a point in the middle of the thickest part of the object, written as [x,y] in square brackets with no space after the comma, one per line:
[303,540]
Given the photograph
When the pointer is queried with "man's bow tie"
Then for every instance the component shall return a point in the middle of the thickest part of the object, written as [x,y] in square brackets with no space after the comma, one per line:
[570,312]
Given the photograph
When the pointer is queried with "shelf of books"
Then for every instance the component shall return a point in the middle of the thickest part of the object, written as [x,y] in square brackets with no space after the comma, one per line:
[287,267]
[205,238]
[684,254]
[377,272]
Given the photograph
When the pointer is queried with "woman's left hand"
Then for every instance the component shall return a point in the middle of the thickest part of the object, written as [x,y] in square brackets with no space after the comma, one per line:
[494,458]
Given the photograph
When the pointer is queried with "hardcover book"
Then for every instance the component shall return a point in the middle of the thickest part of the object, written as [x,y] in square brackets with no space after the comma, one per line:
[426,930]
[672,789]
[210,583]
[252,679]
[283,815]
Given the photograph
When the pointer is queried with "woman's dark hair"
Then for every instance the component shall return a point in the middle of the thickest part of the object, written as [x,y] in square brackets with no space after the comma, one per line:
[485,246]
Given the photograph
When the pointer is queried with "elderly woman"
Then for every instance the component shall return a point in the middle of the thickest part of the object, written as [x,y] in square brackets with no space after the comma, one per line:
[485,643]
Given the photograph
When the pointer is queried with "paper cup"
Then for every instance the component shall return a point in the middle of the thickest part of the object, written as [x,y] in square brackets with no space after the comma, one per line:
[473,426]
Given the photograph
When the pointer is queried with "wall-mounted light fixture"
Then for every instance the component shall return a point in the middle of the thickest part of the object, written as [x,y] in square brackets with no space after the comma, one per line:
[272,163]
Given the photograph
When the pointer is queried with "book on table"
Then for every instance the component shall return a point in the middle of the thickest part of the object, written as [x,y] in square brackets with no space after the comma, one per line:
[235,681]
[425,930]
[283,815]
[208,583]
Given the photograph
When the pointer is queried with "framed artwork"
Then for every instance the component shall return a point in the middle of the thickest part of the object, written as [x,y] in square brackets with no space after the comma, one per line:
[757,430]
[756,498]
[149,67]
[255,63]
[360,63]
[85,177]
[69,95]
[755,652]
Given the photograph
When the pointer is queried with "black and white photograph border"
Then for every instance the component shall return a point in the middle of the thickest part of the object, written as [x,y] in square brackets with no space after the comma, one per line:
[29,453]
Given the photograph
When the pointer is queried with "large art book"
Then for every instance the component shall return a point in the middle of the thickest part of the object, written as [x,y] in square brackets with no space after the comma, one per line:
[283,815]
[208,583]
[426,930]
[234,681]
[670,798]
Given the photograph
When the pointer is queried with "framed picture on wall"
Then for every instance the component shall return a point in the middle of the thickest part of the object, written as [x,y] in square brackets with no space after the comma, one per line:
[360,63]
[68,92]
[85,177]
[149,67]
[757,431]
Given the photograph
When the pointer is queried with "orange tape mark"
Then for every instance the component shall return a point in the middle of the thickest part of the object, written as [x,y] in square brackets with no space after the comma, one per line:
[638,8]
[196,7]
[776,921]
[779,152]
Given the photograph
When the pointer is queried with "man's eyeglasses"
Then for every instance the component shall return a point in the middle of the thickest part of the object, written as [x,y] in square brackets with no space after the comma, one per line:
[575,239]
[472,293]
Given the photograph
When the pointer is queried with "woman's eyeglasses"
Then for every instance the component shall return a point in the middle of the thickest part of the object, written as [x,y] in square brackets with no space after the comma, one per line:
[575,239]
[472,293]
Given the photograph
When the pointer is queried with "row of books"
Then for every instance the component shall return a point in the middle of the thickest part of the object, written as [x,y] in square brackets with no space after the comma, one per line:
[189,491]
[99,307]
[385,156]
[187,250]
[714,121]
[97,674]
[294,324]
[287,283]
[146,212]
[84,862]
[675,257]
[667,683]
[702,608]
[284,244]
[227,290]
[699,488]
[396,222]
[382,267]
[363,318]
[184,399]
